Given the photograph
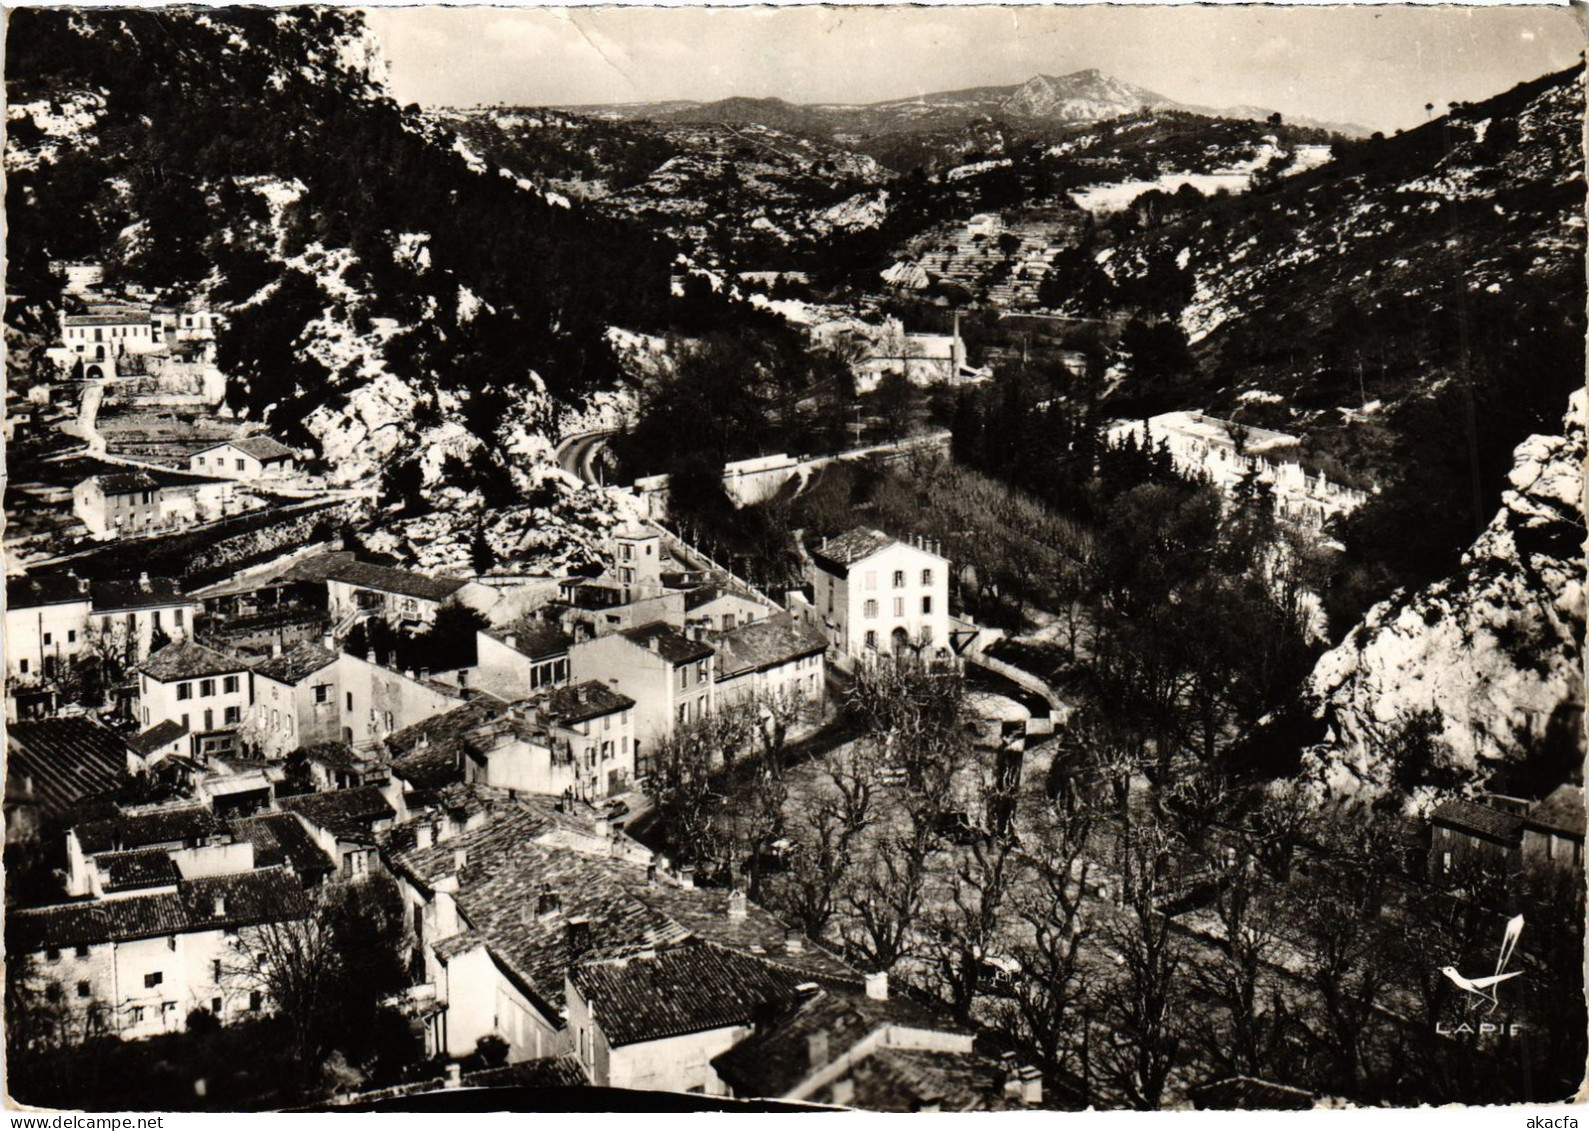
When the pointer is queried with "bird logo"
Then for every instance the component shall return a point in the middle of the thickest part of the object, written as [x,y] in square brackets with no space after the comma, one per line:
[1484,989]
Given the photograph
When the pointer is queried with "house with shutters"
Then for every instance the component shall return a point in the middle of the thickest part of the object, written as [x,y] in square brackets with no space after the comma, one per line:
[248,458]
[575,741]
[130,616]
[669,676]
[45,624]
[779,658]
[205,690]
[880,595]
[138,965]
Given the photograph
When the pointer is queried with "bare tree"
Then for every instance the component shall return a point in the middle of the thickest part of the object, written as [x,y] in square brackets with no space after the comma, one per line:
[1141,1003]
[1047,999]
[886,898]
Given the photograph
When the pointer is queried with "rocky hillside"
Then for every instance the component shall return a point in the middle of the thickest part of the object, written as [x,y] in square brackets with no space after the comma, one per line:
[391,303]
[1477,679]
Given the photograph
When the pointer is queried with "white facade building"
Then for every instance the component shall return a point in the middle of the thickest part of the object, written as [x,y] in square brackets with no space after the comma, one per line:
[879,594]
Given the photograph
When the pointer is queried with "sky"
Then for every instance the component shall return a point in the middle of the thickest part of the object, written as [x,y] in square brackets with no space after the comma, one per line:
[1373,66]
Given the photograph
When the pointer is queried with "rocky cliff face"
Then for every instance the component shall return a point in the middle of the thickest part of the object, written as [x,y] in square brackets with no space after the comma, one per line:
[1480,674]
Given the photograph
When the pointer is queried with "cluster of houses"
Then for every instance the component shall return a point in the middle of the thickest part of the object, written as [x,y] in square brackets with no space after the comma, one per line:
[137,335]
[1227,454]
[493,793]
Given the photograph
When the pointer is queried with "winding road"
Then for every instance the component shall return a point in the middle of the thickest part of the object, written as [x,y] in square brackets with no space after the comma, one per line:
[577,454]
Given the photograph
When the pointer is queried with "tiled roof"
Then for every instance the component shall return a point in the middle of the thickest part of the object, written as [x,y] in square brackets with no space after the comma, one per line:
[149,593]
[160,735]
[503,874]
[893,1079]
[297,663]
[704,913]
[589,700]
[854,545]
[427,754]
[683,989]
[547,1072]
[776,1060]
[183,824]
[338,755]
[766,644]
[187,659]
[262,448]
[1491,824]
[125,482]
[1248,1093]
[403,582]
[65,761]
[348,814]
[1561,812]
[705,595]
[535,638]
[671,644]
[280,838]
[33,591]
[249,897]
[140,868]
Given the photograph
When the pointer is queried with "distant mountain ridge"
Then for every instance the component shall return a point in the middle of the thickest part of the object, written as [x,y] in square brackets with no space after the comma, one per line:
[1082,96]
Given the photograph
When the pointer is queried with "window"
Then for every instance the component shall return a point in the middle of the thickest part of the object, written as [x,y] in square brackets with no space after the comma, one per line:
[229,685]
[684,677]
[215,1006]
[899,579]
[899,606]
[350,700]
[53,954]
[606,722]
[137,1015]
[206,687]
[71,636]
[150,981]
[52,992]
[239,464]
[871,579]
[700,672]
[926,604]
[869,609]
[157,618]
[82,989]
[176,617]
[684,713]
[215,970]
[871,639]
[22,666]
[256,1000]
[926,577]
[48,639]
[322,693]
[184,691]
[82,952]
[234,716]
[186,725]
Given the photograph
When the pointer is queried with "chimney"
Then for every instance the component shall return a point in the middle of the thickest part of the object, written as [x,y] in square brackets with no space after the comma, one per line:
[1031,1085]
[603,829]
[651,875]
[843,1092]
[424,835]
[738,904]
[460,859]
[655,644]
[275,646]
[220,906]
[817,1048]
[510,640]
[328,642]
[877,985]
[408,673]
[369,656]
[794,942]
[454,1075]
[143,582]
[687,877]
[930,1103]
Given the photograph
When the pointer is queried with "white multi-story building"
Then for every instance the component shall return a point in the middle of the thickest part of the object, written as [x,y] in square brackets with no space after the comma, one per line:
[879,594]
[206,691]
[46,623]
